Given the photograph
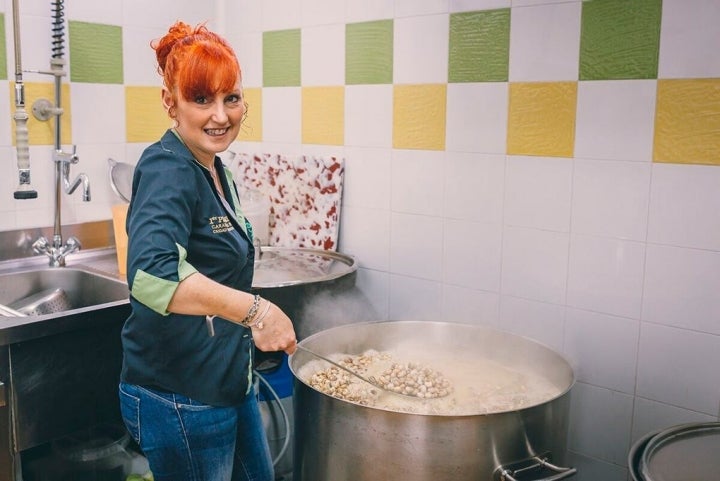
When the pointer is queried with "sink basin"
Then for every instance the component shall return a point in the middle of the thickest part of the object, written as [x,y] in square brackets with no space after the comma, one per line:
[52,290]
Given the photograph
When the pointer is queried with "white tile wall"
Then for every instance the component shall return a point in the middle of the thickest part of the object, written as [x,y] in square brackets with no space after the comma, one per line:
[163,13]
[415,299]
[681,288]
[248,48]
[416,182]
[369,10]
[140,67]
[375,285]
[470,306]
[611,198]
[108,13]
[416,246]
[323,12]
[615,120]
[537,30]
[600,423]
[540,321]
[368,115]
[420,46]
[606,275]
[406,8]
[534,264]
[243,17]
[281,114]
[684,206]
[538,192]
[323,55]
[472,5]
[591,469]
[471,256]
[365,234]
[679,367]
[474,187]
[590,337]
[92,103]
[477,117]
[688,38]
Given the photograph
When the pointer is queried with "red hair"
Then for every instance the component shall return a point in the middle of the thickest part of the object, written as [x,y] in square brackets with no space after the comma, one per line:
[195,61]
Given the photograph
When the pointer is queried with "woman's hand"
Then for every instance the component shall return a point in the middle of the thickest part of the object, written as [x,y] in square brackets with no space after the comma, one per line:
[277,332]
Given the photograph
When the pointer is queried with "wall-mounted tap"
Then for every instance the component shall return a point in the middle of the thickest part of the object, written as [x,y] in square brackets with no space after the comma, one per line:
[44,110]
[65,159]
[58,251]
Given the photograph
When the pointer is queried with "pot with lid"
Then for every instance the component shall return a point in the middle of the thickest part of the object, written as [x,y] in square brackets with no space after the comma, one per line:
[315,288]
[468,436]
[679,453]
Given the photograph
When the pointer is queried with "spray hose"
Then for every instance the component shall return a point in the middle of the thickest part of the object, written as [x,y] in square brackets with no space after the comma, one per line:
[24,190]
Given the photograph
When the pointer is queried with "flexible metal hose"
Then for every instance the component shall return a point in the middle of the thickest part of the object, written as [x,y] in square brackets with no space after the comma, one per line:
[58,28]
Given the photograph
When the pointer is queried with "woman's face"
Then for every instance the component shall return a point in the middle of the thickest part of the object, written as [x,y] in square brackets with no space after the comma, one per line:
[207,125]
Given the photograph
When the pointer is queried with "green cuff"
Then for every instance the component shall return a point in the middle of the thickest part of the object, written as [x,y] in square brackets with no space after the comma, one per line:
[155,292]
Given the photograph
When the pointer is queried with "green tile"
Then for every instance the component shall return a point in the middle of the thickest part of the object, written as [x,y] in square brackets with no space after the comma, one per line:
[620,39]
[281,58]
[479,46]
[3,49]
[96,54]
[369,53]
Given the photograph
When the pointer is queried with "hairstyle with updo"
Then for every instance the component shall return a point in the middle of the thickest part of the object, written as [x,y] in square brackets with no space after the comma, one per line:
[194,61]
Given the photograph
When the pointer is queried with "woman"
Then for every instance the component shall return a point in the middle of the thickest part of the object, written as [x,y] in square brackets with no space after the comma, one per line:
[186,387]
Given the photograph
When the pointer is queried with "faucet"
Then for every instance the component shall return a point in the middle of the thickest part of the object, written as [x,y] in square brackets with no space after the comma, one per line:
[43,110]
[57,251]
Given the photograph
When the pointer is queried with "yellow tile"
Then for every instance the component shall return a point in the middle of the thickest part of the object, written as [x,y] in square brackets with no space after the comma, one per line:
[541,119]
[43,132]
[145,117]
[419,113]
[252,126]
[323,115]
[687,122]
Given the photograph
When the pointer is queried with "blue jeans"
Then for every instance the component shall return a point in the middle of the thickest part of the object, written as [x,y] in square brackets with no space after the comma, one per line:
[185,440]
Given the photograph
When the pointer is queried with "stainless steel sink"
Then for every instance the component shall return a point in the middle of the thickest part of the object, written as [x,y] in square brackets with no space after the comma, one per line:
[52,290]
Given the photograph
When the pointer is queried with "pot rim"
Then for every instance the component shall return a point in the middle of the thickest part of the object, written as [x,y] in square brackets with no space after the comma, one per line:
[351,266]
[328,332]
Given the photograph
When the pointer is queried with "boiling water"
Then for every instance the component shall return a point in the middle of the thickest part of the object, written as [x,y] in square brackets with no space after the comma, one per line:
[480,386]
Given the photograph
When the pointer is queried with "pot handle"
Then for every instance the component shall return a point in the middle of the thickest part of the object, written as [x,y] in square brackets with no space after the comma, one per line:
[506,474]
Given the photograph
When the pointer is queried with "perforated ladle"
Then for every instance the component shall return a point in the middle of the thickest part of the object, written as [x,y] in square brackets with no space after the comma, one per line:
[370,380]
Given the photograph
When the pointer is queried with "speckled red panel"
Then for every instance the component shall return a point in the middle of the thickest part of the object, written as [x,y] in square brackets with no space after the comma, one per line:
[305,194]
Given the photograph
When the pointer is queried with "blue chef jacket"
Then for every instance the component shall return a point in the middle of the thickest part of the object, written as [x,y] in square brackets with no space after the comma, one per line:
[177,225]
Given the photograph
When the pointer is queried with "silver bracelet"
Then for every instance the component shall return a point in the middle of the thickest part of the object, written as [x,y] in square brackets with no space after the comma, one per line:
[251,312]
[259,321]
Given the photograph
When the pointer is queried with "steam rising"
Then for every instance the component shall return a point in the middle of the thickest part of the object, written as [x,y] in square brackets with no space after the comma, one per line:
[330,309]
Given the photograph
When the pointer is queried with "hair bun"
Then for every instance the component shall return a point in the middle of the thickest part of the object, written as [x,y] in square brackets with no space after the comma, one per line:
[177,32]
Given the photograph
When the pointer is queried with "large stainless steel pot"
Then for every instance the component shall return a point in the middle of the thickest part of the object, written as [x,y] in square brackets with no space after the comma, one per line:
[337,440]
[678,453]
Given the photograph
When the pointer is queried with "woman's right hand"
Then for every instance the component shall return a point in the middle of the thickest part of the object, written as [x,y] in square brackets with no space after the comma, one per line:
[277,332]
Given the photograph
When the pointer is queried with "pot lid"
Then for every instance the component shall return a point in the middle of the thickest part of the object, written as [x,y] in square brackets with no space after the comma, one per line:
[682,453]
[282,266]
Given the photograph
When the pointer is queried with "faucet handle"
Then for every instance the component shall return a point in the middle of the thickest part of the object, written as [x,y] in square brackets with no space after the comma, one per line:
[72,244]
[40,246]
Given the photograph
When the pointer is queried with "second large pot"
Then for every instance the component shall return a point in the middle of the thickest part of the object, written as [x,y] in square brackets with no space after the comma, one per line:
[338,440]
